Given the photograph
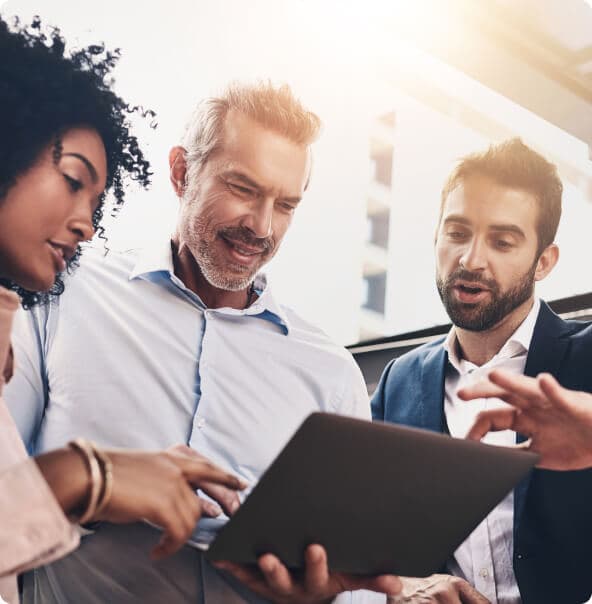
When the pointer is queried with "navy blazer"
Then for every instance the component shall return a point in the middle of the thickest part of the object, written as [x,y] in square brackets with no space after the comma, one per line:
[552,510]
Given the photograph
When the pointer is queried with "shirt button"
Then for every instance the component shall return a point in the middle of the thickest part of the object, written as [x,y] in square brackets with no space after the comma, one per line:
[201,422]
[484,573]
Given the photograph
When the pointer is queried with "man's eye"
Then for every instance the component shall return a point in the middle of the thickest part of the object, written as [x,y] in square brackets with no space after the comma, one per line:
[503,244]
[456,234]
[287,207]
[75,185]
[240,189]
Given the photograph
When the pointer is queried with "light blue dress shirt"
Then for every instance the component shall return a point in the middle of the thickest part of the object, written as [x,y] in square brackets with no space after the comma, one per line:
[129,357]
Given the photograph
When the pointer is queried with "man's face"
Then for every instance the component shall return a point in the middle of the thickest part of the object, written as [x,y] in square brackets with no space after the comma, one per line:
[236,212]
[486,252]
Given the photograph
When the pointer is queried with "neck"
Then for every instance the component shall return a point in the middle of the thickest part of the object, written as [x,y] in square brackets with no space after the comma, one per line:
[187,269]
[478,347]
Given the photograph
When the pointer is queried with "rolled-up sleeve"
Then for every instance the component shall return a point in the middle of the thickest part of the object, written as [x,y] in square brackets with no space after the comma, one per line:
[33,528]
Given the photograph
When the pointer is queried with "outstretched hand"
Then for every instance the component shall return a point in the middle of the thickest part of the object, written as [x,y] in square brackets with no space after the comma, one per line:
[557,421]
[273,581]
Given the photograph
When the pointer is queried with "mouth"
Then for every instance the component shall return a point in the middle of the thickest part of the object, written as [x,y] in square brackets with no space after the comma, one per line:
[61,253]
[470,292]
[242,252]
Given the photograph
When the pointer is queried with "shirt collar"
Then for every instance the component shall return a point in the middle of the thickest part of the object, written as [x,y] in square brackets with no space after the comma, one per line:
[517,343]
[158,260]
[154,259]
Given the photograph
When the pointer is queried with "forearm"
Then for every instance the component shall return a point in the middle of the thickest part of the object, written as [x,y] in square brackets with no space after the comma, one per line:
[67,477]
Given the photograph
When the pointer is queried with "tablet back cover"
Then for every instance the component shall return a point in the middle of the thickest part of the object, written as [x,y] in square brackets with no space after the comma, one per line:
[380,498]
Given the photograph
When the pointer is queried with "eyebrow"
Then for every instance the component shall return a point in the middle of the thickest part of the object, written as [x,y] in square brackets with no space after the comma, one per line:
[506,228]
[242,178]
[91,169]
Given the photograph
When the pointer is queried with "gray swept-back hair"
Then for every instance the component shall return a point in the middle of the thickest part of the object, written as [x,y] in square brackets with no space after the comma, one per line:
[274,107]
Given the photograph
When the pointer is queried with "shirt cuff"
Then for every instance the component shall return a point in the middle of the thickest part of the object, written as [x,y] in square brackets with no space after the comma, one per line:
[35,530]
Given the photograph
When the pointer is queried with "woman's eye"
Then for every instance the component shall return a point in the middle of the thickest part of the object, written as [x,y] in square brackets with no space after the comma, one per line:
[75,185]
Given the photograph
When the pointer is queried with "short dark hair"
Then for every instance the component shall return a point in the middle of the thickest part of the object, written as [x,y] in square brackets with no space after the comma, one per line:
[512,163]
[44,92]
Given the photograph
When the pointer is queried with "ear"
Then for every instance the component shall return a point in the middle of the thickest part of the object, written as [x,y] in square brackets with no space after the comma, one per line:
[178,169]
[547,260]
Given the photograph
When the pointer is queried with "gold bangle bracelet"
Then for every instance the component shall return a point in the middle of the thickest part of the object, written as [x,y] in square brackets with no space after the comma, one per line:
[84,448]
[107,470]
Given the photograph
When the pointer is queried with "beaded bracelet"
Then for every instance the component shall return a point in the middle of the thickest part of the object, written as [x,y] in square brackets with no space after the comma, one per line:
[84,448]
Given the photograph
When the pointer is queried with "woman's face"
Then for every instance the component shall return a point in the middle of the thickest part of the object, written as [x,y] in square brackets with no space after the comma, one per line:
[48,211]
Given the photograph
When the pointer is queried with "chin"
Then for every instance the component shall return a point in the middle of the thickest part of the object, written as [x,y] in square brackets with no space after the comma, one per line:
[37,283]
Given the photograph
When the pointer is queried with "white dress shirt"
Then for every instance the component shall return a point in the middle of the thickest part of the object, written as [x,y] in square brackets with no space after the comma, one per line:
[130,357]
[485,558]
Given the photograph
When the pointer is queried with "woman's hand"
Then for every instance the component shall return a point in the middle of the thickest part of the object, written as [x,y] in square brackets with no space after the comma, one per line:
[155,486]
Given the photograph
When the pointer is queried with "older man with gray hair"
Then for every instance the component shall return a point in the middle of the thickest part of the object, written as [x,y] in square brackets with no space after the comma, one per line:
[185,342]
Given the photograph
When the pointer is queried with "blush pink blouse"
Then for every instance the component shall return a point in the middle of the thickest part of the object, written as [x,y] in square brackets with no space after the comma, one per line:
[33,528]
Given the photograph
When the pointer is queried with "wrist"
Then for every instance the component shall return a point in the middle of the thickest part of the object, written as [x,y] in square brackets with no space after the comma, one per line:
[65,473]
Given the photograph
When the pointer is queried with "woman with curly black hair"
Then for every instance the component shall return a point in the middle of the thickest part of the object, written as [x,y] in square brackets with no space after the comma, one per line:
[64,141]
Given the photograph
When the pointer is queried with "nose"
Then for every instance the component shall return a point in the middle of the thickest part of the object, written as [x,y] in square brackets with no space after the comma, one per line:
[259,218]
[474,256]
[81,223]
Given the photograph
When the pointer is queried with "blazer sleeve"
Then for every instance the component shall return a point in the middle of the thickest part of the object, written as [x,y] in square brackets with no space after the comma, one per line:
[378,398]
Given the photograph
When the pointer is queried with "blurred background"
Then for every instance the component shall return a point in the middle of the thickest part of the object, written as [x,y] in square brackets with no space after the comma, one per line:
[403,88]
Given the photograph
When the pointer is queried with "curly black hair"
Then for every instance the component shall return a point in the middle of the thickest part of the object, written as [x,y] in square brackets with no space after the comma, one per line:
[44,92]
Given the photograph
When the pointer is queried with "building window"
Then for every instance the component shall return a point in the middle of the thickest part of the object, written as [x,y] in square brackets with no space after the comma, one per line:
[374,289]
[378,229]
[382,162]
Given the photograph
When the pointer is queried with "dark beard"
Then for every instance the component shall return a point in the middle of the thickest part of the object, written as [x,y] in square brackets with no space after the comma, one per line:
[475,317]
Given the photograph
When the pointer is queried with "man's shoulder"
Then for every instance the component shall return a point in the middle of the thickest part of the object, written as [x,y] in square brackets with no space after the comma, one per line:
[421,353]
[99,263]
[406,366]
[548,320]
[99,270]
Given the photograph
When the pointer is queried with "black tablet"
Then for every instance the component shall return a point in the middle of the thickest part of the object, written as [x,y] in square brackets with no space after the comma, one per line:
[380,498]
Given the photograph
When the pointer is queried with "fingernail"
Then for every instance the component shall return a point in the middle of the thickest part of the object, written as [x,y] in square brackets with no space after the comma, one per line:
[215,510]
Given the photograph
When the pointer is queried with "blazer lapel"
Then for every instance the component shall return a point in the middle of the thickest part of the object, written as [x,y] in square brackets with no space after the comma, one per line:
[545,354]
[432,390]
[548,346]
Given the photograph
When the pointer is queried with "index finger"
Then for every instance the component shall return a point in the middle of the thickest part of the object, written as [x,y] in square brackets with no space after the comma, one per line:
[226,498]
[484,389]
[494,420]
[522,386]
[199,472]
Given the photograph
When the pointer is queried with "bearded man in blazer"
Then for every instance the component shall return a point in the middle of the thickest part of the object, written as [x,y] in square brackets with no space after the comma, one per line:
[499,215]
